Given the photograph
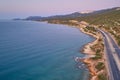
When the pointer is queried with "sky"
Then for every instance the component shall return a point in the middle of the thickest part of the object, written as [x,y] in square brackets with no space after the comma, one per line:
[23,8]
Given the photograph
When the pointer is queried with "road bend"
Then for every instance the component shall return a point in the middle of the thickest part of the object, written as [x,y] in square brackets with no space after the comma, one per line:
[112,57]
[116,47]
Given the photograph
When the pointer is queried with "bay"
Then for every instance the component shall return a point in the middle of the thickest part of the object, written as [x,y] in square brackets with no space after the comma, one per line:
[40,51]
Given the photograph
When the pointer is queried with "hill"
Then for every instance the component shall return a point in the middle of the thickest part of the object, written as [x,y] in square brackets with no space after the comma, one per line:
[108,19]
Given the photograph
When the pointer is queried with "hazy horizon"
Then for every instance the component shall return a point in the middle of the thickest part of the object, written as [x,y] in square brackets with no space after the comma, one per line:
[23,8]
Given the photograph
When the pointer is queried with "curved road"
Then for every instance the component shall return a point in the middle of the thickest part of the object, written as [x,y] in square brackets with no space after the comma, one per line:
[113,56]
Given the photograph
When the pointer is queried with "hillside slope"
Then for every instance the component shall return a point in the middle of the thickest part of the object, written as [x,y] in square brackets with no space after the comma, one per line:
[109,19]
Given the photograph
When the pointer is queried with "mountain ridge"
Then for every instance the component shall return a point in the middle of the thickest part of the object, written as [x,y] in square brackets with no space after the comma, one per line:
[71,15]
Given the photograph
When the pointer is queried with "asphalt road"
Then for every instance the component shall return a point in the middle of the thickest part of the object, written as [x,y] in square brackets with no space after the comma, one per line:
[116,47]
[113,65]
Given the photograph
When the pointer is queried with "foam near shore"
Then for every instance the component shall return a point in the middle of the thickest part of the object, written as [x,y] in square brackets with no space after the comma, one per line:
[90,49]
[90,53]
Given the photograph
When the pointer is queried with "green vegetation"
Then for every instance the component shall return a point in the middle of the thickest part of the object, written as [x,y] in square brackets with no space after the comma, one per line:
[85,29]
[97,56]
[110,21]
[91,28]
[98,51]
[100,66]
[107,19]
[117,36]
[102,77]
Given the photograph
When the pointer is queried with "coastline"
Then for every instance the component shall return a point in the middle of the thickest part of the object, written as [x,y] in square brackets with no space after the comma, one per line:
[91,50]
[93,58]
[86,49]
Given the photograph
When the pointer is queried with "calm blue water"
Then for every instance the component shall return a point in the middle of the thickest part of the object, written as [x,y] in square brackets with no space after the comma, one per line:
[40,51]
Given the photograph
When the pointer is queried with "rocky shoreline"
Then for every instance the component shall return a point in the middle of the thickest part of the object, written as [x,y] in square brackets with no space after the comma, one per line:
[90,63]
[94,51]
[86,50]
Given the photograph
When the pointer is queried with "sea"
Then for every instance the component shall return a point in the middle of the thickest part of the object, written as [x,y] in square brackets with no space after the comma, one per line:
[32,50]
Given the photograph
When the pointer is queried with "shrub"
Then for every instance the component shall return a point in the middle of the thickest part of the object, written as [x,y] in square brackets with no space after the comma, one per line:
[97,56]
[102,77]
[100,66]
